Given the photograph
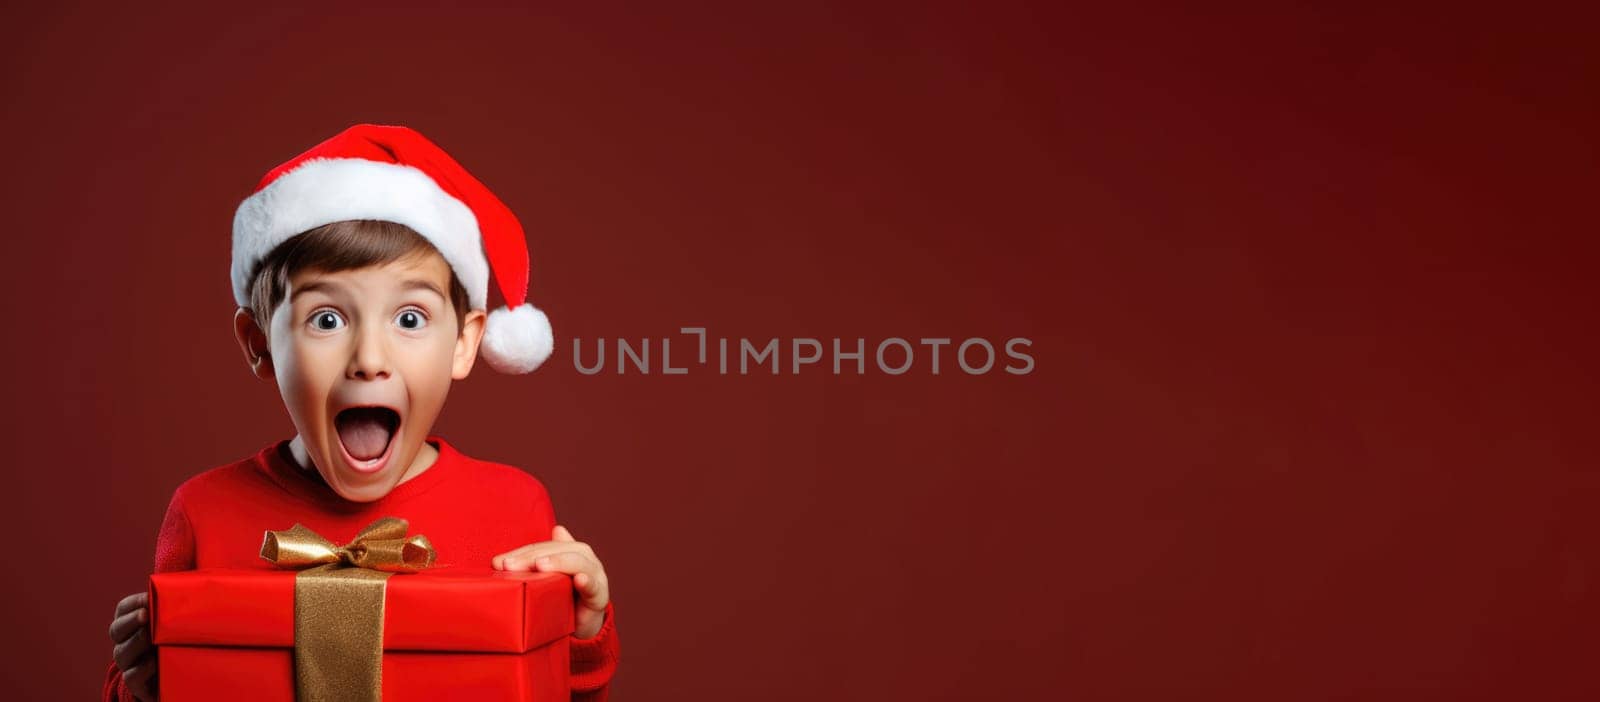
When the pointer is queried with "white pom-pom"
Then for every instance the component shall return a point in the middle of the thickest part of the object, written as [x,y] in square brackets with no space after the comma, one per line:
[517,340]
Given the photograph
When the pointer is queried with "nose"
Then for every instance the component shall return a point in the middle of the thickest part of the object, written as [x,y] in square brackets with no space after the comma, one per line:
[369,360]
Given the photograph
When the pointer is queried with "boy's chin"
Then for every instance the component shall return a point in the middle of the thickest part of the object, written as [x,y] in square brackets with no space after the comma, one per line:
[356,484]
[361,493]
[361,488]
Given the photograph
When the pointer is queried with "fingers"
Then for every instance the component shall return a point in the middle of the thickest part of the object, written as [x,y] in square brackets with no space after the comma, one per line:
[562,554]
[587,575]
[524,558]
[128,653]
[594,589]
[124,626]
[503,560]
[569,562]
[132,602]
[519,559]
[138,677]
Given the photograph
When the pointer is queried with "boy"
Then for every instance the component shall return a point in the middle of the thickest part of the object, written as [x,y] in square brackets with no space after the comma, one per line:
[361,272]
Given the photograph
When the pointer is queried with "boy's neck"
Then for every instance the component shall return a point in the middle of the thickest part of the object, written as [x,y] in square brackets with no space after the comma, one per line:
[302,460]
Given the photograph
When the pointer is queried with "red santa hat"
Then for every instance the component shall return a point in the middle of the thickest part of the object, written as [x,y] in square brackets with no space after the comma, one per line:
[393,173]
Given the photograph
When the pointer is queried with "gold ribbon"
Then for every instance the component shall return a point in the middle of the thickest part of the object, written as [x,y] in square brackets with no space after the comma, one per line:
[338,604]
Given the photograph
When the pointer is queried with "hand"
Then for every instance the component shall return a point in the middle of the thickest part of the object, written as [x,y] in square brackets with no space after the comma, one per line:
[130,632]
[564,554]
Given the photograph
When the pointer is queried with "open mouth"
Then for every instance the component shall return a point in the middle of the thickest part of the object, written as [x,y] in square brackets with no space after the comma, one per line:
[367,434]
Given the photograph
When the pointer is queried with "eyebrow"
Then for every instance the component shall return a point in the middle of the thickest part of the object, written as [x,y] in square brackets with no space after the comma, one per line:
[420,284]
[325,286]
[312,287]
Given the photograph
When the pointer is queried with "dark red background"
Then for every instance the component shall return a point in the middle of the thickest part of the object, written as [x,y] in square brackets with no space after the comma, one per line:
[1309,290]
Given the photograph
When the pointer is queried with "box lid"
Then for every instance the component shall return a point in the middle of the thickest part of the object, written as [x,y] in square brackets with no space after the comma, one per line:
[446,609]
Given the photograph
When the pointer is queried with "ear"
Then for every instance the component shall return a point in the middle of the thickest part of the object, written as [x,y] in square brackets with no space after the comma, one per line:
[467,344]
[253,341]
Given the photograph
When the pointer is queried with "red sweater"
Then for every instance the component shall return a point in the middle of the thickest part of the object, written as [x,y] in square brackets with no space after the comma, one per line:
[471,510]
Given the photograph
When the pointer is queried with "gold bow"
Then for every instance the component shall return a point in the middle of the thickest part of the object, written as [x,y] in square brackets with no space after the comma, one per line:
[338,603]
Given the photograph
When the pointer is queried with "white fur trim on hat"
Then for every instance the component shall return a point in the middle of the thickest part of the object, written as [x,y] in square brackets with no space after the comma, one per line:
[517,340]
[323,191]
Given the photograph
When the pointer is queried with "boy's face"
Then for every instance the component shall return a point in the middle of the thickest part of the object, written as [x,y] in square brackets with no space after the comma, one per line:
[364,359]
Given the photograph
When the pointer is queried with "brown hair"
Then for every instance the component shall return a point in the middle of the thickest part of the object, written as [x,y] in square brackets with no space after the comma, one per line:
[340,246]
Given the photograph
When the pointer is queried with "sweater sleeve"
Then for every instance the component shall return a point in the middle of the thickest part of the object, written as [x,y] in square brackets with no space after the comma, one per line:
[174,551]
[594,660]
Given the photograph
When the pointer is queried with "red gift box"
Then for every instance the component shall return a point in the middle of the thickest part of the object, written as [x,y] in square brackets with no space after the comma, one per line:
[447,634]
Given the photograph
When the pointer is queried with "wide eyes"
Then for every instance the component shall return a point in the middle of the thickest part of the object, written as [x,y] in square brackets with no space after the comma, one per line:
[327,320]
[409,319]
